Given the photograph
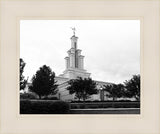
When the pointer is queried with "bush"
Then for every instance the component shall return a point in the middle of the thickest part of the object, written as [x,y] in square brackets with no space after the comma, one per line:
[28,96]
[50,98]
[43,107]
[99,101]
[134,104]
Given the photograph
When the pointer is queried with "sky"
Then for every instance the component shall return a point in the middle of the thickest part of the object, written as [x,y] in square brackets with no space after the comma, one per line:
[111,47]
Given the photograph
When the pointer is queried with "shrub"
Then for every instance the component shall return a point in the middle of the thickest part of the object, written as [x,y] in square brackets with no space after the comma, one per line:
[50,98]
[43,107]
[99,101]
[134,104]
[29,95]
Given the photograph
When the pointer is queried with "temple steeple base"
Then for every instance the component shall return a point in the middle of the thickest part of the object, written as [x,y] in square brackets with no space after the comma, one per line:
[73,73]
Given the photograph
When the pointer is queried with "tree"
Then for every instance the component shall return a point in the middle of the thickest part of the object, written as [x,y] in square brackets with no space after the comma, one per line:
[23,81]
[133,87]
[114,90]
[43,82]
[82,88]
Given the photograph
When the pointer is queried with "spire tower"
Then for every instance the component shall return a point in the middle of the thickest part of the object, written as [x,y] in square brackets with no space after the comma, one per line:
[74,61]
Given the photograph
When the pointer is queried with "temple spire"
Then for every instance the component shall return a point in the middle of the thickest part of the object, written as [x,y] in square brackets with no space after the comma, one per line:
[74,61]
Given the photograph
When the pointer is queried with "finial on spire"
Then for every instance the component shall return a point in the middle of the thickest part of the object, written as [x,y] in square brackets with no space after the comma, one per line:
[74,29]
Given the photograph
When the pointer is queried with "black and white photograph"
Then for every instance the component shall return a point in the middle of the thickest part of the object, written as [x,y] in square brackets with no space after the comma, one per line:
[79,67]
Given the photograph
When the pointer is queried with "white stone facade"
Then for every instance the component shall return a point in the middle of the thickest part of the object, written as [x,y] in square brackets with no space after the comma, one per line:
[74,62]
[75,68]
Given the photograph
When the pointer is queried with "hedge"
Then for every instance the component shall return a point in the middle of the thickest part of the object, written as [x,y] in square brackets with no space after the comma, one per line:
[105,105]
[29,95]
[43,107]
[92,101]
[50,98]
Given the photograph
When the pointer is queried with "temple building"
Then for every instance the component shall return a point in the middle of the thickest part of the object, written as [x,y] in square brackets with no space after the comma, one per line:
[75,68]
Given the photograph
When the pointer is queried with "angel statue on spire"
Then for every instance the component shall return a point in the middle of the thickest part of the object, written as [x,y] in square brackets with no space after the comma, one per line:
[74,29]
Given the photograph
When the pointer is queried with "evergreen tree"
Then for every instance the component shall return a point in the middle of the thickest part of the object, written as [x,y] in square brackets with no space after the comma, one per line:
[43,82]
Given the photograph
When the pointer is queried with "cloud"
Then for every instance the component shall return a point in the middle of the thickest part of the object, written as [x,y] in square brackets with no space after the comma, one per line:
[111,47]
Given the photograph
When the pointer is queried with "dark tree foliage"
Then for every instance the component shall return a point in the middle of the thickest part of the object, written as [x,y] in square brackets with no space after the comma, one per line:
[133,87]
[23,81]
[82,88]
[43,107]
[114,91]
[43,82]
